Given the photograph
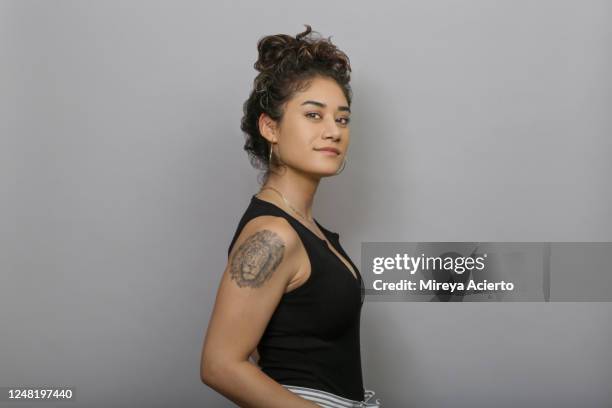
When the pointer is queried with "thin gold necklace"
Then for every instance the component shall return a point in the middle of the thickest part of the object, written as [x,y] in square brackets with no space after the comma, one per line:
[296,211]
[287,202]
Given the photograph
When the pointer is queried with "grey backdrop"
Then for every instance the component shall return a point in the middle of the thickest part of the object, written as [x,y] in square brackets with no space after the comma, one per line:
[123,179]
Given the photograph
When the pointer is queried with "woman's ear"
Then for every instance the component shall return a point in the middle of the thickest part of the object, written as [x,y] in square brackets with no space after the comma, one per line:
[267,128]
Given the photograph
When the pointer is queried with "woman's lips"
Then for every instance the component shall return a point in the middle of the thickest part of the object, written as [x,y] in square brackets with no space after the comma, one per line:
[328,152]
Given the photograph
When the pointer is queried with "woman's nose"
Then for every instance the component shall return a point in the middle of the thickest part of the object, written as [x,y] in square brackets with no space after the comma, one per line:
[332,129]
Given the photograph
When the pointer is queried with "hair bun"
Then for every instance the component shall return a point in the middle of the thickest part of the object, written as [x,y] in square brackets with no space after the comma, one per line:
[273,49]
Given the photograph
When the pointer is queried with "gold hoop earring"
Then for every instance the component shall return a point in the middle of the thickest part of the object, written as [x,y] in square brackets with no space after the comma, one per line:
[270,156]
[343,166]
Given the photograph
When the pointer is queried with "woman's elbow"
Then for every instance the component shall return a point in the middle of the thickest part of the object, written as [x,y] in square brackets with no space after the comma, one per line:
[209,371]
[217,370]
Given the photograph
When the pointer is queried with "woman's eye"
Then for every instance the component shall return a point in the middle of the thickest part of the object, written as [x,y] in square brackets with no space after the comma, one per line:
[344,121]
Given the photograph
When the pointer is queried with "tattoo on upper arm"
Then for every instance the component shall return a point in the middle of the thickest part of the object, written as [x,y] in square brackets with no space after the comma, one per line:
[256,259]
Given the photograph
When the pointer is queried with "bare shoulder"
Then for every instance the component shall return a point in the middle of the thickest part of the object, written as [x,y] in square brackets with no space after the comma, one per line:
[266,244]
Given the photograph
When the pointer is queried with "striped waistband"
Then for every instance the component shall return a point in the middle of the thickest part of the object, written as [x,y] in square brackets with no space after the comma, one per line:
[328,400]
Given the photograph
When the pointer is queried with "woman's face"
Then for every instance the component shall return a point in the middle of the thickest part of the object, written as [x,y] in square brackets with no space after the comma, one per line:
[313,120]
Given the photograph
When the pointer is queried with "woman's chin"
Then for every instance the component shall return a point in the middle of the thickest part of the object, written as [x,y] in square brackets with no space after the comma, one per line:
[328,172]
[322,171]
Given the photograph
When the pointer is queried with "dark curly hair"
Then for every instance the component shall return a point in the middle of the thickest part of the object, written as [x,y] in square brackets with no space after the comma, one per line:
[286,65]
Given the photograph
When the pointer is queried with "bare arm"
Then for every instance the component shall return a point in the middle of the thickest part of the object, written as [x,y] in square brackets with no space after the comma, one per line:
[259,269]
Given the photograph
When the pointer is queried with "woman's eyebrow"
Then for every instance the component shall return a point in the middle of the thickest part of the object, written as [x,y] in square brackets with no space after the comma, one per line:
[322,105]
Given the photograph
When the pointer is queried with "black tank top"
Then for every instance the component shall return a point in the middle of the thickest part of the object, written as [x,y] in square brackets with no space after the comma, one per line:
[312,339]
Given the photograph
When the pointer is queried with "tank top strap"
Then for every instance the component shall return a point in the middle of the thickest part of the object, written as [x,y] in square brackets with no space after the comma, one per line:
[259,207]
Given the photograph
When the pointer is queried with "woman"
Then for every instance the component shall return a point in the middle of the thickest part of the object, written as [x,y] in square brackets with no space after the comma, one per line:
[290,297]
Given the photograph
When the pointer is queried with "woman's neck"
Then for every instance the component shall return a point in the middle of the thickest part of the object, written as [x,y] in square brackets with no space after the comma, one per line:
[297,189]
